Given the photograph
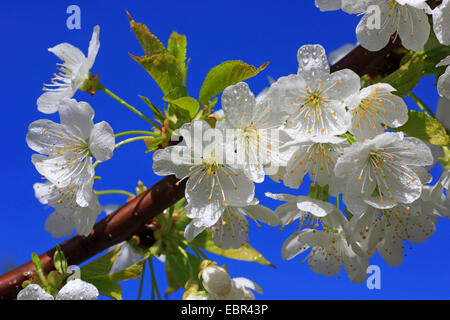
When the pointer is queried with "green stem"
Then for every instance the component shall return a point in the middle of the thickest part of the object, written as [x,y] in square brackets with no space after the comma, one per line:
[154,283]
[422,105]
[125,133]
[121,143]
[141,284]
[103,192]
[130,107]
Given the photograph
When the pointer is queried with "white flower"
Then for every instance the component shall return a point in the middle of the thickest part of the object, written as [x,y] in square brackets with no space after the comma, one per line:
[441,22]
[406,18]
[73,290]
[318,156]
[231,230]
[374,108]
[255,125]
[212,185]
[385,230]
[67,148]
[306,209]
[314,98]
[72,72]
[216,280]
[68,214]
[444,80]
[330,249]
[383,172]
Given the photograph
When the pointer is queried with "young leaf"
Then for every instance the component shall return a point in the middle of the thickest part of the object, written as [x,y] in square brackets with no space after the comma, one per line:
[245,253]
[177,46]
[428,129]
[59,260]
[224,75]
[167,71]
[100,266]
[37,262]
[318,192]
[187,103]
[149,42]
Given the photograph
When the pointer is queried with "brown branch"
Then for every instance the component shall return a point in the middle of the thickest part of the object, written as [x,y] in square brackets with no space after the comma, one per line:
[115,228]
[133,216]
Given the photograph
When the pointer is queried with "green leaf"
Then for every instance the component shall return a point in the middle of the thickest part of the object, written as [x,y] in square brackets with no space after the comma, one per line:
[167,71]
[187,103]
[177,46]
[37,262]
[245,253]
[149,42]
[407,76]
[107,288]
[100,266]
[318,192]
[428,129]
[96,272]
[59,260]
[224,75]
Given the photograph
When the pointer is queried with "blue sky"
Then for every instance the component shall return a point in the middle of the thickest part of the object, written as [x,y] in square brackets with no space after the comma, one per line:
[252,31]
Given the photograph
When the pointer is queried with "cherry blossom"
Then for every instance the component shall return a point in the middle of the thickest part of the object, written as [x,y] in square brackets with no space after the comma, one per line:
[71,73]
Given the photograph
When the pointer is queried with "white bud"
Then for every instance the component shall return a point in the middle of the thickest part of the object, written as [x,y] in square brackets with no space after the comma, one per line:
[78,290]
[216,280]
[34,292]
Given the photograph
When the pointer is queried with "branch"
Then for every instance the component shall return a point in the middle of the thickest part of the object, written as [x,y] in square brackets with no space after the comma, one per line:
[119,226]
[131,218]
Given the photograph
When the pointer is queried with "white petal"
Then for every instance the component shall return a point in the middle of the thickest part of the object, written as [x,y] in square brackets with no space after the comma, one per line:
[216,280]
[125,258]
[172,160]
[59,225]
[78,290]
[441,22]
[191,231]
[85,219]
[246,283]
[316,207]
[312,62]
[79,114]
[443,112]
[68,53]
[414,30]
[94,44]
[444,83]
[262,214]
[50,101]
[102,141]
[238,104]
[231,230]
[376,39]
[33,292]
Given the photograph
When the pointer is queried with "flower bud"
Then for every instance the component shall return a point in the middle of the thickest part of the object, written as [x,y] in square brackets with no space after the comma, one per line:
[216,280]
